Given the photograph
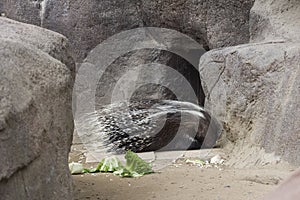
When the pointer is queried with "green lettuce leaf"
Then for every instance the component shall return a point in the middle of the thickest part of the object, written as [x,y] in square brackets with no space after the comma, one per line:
[110,164]
[135,164]
[126,173]
[75,168]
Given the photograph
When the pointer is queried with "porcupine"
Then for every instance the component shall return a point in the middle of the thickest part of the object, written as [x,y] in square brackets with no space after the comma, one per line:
[150,125]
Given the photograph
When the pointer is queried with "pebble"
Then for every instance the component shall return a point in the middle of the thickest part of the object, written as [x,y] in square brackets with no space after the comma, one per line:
[216,160]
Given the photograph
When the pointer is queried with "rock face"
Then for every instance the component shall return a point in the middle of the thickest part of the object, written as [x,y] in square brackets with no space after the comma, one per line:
[87,23]
[256,94]
[212,23]
[154,83]
[252,88]
[275,20]
[19,10]
[133,70]
[255,88]
[36,122]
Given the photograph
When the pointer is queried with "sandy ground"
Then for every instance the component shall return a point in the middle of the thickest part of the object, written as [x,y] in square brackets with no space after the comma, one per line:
[183,182]
[180,181]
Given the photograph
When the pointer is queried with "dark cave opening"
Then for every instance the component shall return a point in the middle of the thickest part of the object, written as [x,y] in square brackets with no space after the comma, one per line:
[131,60]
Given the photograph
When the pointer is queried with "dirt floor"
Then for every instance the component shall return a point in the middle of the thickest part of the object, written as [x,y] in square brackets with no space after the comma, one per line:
[181,181]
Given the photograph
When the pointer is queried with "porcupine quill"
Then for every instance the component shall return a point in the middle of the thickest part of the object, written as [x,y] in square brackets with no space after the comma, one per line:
[149,125]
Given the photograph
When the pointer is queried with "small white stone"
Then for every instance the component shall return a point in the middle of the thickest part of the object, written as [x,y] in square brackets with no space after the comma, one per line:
[216,160]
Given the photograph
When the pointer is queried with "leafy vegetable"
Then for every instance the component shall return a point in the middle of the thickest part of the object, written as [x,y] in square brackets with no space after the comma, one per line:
[94,170]
[126,173]
[196,162]
[75,168]
[110,164]
[135,166]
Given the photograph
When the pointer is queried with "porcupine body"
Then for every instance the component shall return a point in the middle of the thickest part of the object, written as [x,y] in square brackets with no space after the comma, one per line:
[150,125]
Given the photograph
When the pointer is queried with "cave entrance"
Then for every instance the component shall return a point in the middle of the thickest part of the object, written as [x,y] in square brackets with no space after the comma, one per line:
[126,68]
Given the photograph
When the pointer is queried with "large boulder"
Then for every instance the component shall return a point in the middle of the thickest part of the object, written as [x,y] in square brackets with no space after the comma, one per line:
[36,123]
[275,20]
[29,11]
[87,23]
[254,89]
[156,79]
[143,72]
[212,23]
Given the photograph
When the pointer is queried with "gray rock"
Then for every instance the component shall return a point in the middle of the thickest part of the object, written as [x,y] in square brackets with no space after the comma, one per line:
[227,22]
[36,122]
[254,90]
[54,44]
[139,71]
[24,11]
[275,20]
[1,7]
[151,81]
[87,23]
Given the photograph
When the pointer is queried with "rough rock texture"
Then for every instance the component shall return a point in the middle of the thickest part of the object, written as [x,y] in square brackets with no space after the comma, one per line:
[275,20]
[87,23]
[256,95]
[36,122]
[212,23]
[154,83]
[227,22]
[28,11]
[141,70]
[254,89]
[58,48]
